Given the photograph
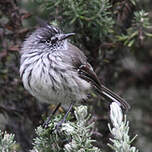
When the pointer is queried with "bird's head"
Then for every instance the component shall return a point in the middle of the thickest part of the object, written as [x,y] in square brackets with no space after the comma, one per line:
[48,38]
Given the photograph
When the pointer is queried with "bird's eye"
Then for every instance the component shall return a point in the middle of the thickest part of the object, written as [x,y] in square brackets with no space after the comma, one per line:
[48,41]
[53,40]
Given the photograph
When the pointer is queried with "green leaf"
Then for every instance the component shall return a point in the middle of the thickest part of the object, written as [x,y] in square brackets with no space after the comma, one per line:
[131,43]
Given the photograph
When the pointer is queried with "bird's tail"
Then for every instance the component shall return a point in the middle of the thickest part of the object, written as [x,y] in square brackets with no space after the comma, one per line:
[107,93]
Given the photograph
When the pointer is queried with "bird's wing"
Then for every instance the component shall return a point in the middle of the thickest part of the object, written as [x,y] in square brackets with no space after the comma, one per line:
[86,72]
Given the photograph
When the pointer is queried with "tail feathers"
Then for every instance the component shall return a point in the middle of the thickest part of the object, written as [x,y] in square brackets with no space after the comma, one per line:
[114,97]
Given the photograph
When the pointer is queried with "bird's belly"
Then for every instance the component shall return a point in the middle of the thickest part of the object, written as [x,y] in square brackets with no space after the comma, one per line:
[58,87]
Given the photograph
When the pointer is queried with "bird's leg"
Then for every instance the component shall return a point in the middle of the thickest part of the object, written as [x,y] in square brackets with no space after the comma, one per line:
[45,124]
[64,118]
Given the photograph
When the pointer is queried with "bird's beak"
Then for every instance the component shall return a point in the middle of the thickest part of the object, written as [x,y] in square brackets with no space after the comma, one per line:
[65,36]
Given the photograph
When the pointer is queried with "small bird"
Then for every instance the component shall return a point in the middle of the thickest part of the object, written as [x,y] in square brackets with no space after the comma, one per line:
[55,71]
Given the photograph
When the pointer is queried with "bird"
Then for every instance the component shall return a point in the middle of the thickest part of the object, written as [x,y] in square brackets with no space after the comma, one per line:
[55,71]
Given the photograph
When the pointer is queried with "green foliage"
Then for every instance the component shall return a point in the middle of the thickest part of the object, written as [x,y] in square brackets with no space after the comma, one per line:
[75,135]
[138,31]
[7,143]
[92,19]
[48,140]
[121,140]
[72,137]
[133,2]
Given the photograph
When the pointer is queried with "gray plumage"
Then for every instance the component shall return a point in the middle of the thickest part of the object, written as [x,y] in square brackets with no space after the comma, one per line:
[54,71]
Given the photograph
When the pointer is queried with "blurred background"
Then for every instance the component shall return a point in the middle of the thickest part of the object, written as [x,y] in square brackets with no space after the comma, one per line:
[115,35]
